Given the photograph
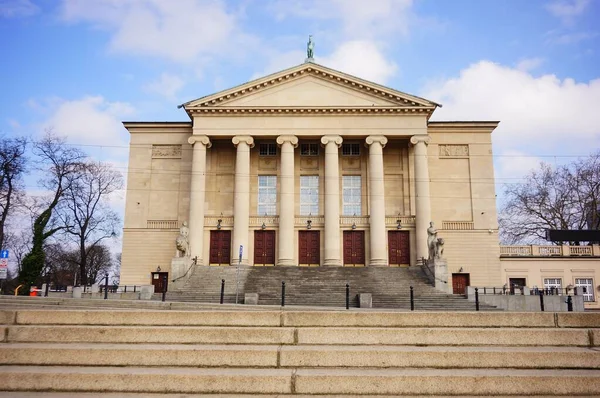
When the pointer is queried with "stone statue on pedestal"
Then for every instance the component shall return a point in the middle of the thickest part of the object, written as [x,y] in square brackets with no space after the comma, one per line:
[434,244]
[182,242]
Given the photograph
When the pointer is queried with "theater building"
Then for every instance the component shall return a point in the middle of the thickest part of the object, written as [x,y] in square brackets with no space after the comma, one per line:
[311,167]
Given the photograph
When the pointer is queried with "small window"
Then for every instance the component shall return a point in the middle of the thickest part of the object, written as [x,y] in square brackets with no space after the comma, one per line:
[309,149]
[267,150]
[351,149]
[585,287]
[553,285]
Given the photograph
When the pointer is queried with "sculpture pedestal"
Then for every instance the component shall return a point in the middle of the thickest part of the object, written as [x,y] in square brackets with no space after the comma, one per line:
[179,267]
[440,267]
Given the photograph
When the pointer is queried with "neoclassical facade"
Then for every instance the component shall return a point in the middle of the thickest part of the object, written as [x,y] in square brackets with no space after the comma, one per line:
[311,167]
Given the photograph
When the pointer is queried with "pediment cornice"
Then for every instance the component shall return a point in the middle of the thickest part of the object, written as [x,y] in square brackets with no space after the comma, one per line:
[218,101]
[307,111]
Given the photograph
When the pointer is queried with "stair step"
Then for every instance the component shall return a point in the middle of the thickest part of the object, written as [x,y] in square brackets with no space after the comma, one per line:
[391,381]
[382,356]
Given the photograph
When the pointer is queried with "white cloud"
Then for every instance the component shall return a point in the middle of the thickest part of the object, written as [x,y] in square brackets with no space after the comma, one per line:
[567,10]
[357,18]
[361,58]
[166,85]
[17,8]
[91,120]
[180,31]
[529,64]
[570,38]
[538,115]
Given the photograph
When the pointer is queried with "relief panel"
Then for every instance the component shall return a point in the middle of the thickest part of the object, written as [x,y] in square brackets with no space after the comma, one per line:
[454,150]
[166,151]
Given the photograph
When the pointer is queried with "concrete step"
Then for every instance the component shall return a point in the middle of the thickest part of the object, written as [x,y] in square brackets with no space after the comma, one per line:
[301,381]
[245,316]
[305,335]
[30,394]
[308,356]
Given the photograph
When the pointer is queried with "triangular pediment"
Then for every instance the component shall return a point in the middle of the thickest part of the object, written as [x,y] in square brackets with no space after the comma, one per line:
[309,85]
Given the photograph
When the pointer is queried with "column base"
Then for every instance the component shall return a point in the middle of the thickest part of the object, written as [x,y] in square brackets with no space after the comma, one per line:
[332,263]
[378,262]
[286,262]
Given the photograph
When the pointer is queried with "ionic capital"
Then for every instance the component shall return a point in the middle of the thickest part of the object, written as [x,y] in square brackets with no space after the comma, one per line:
[292,139]
[202,139]
[381,139]
[243,138]
[336,139]
[424,138]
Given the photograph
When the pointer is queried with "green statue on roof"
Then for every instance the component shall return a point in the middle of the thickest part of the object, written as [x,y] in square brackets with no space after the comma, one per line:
[310,46]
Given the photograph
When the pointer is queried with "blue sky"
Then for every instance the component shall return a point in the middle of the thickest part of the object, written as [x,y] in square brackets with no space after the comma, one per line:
[82,66]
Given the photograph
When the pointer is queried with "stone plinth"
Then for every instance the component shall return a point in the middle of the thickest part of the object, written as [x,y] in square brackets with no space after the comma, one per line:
[365,300]
[77,292]
[179,267]
[251,298]
[146,292]
[440,267]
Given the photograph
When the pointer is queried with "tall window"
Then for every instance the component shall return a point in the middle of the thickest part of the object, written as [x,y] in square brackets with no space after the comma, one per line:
[351,187]
[309,195]
[267,195]
[553,283]
[585,287]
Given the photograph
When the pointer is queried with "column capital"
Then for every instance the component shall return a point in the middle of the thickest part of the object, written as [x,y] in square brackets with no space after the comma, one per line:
[243,138]
[424,138]
[382,139]
[336,139]
[203,139]
[292,139]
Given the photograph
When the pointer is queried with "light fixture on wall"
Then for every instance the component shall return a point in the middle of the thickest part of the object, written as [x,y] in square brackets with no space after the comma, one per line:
[308,224]
[353,221]
[219,221]
[398,222]
[460,269]
[263,226]
[158,269]
[353,225]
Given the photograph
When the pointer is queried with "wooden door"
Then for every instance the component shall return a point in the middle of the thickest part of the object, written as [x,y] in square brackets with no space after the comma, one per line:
[460,283]
[309,247]
[354,248]
[159,281]
[398,248]
[264,247]
[220,247]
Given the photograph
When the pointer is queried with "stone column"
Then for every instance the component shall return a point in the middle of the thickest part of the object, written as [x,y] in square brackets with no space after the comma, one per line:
[378,239]
[286,200]
[422,197]
[197,194]
[241,197]
[332,200]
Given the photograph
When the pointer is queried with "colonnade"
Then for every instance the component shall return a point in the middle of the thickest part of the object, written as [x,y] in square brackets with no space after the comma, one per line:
[332,249]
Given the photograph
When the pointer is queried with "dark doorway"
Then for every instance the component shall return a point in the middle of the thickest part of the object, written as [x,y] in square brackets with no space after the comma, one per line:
[517,284]
[309,246]
[160,280]
[460,283]
[264,247]
[398,248]
[354,248]
[220,247]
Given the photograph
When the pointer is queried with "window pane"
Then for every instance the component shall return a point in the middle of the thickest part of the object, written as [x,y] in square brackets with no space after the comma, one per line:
[309,195]
[309,149]
[267,195]
[267,150]
[585,287]
[351,149]
[351,195]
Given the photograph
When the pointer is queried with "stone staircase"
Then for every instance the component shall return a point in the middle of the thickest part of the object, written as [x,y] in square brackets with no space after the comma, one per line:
[320,286]
[239,352]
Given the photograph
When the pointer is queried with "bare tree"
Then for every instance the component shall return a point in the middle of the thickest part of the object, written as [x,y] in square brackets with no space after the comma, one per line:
[12,168]
[562,197]
[59,163]
[87,216]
